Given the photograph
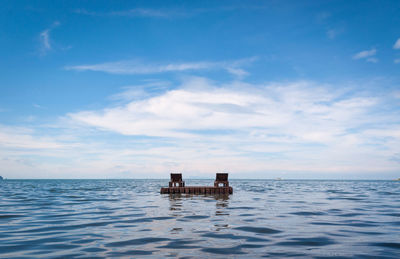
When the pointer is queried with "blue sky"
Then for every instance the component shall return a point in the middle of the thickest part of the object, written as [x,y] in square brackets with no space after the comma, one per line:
[259,89]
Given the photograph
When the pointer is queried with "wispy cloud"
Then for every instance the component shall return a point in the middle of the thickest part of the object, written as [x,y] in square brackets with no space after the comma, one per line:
[38,106]
[201,126]
[397,61]
[397,44]
[302,125]
[323,16]
[134,12]
[333,33]
[365,54]
[136,67]
[45,39]
[145,12]
[368,55]
[179,112]
[144,90]
[372,60]
[24,138]
[163,13]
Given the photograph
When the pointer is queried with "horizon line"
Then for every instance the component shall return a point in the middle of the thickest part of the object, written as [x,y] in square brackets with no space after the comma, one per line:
[275,179]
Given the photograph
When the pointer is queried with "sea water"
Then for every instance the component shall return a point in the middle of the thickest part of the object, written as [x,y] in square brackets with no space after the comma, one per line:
[262,218]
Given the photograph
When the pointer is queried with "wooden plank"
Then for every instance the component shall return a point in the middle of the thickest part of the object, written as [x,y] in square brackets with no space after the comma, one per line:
[197,190]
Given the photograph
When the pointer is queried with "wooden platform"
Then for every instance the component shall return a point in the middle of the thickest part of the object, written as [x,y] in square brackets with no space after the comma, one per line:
[197,190]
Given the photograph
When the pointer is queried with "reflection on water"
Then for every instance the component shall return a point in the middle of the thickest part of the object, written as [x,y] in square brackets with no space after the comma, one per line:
[184,208]
[222,201]
[263,218]
[175,202]
[222,205]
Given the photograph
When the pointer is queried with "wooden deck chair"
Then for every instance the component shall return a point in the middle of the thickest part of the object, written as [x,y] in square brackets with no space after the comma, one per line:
[176,179]
[221,178]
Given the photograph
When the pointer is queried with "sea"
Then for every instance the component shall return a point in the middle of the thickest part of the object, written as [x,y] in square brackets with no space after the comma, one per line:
[262,218]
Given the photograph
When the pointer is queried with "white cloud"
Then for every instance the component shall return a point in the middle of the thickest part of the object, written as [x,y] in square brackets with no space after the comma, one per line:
[163,13]
[372,60]
[250,128]
[45,38]
[202,127]
[140,91]
[38,106]
[137,12]
[273,109]
[397,44]
[397,61]
[20,137]
[136,67]
[145,12]
[365,54]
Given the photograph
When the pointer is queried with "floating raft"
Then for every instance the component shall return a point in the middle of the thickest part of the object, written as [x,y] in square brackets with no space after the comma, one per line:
[197,190]
[177,185]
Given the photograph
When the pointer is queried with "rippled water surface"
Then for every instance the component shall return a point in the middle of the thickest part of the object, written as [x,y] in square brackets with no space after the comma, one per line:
[263,218]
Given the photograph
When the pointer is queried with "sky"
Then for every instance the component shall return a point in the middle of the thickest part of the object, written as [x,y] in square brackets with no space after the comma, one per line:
[258,89]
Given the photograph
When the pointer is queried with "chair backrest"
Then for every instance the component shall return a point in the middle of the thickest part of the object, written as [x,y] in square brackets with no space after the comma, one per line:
[176,177]
[221,177]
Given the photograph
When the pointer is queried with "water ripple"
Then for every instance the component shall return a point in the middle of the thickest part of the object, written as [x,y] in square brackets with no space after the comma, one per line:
[137,241]
[312,241]
[263,218]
